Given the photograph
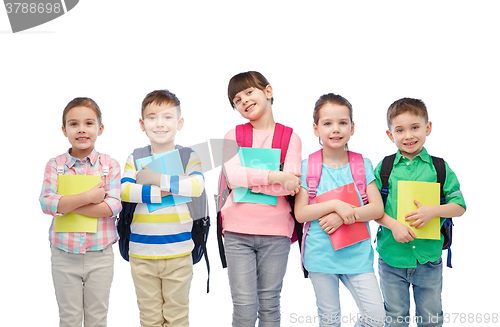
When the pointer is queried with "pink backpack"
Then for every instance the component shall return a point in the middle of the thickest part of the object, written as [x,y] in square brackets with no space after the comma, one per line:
[244,138]
[314,168]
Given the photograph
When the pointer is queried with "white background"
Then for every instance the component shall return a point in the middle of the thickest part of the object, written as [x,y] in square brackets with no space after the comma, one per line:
[372,53]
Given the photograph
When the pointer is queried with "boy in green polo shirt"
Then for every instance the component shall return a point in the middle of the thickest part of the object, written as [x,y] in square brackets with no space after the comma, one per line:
[404,259]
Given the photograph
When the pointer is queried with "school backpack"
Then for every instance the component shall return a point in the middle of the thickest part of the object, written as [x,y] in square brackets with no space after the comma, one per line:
[244,138]
[314,169]
[198,209]
[447,227]
[104,161]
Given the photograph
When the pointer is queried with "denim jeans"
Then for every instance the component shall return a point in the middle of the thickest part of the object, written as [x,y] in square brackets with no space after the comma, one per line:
[256,265]
[365,291]
[427,282]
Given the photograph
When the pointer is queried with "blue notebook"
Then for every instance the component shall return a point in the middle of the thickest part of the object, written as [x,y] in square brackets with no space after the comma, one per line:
[258,158]
[167,163]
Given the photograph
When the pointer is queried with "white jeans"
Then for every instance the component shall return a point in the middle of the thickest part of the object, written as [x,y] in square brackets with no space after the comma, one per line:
[365,291]
[82,283]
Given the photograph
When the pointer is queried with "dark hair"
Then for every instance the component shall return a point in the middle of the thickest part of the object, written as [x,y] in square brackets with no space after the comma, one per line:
[414,106]
[243,81]
[82,102]
[160,97]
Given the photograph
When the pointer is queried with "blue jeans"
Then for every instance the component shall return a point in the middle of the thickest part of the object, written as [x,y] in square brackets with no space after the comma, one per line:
[427,282]
[256,266]
[365,291]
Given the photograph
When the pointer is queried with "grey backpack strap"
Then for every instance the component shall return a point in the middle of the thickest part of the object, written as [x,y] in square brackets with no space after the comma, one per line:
[185,154]
[141,153]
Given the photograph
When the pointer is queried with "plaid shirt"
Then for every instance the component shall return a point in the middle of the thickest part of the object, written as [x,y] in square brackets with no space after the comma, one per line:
[49,199]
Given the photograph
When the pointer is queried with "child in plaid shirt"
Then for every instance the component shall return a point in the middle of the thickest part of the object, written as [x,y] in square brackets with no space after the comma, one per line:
[82,262]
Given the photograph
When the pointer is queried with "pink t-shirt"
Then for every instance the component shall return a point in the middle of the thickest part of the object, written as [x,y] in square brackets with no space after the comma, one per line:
[253,218]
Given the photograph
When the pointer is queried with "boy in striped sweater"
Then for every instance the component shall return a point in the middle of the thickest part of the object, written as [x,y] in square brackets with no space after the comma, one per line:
[160,241]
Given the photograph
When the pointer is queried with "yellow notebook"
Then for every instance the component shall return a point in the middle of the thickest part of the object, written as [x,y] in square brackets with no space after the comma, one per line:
[428,195]
[73,222]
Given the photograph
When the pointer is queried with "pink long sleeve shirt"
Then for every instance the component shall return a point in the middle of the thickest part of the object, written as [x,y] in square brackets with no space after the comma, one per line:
[253,218]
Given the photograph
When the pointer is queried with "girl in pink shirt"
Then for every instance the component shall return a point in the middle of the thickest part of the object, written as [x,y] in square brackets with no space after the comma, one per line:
[257,236]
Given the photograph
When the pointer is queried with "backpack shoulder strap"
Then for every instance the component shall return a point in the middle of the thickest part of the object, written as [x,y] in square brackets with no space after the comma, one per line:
[281,139]
[385,173]
[244,135]
[141,153]
[105,161]
[185,154]
[357,165]
[314,168]
[441,175]
[61,162]
[447,227]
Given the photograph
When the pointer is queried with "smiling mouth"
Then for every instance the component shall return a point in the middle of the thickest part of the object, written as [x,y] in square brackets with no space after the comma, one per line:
[161,132]
[82,138]
[249,107]
[411,143]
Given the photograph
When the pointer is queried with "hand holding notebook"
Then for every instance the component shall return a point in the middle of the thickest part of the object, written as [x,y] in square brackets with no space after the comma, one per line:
[425,194]
[77,184]
[346,235]
[168,163]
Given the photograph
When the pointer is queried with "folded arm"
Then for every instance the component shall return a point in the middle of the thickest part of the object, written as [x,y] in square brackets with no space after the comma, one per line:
[103,200]
[277,183]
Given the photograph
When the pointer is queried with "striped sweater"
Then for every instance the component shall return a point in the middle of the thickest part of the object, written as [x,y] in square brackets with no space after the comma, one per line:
[166,232]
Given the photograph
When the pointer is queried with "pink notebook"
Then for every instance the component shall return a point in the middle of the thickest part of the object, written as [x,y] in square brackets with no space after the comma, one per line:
[346,234]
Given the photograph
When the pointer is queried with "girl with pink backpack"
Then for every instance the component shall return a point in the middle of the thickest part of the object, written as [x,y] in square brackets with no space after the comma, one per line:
[257,235]
[337,199]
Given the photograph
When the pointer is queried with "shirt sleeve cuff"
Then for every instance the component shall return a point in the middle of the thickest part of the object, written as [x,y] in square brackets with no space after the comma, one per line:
[165,183]
[155,194]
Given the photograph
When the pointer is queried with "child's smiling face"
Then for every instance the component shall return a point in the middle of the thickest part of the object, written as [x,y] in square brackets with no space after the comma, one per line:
[161,123]
[252,103]
[334,126]
[409,132]
[82,128]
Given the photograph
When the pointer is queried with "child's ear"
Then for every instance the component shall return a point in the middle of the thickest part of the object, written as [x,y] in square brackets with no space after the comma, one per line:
[352,128]
[316,131]
[269,92]
[180,124]
[389,134]
[64,131]
[101,128]
[141,123]
[428,128]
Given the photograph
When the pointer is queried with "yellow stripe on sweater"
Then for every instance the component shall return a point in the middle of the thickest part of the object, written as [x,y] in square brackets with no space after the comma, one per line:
[126,193]
[193,163]
[195,187]
[161,217]
[159,257]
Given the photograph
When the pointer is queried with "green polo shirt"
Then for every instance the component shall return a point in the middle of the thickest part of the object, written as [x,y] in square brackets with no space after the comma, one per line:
[406,255]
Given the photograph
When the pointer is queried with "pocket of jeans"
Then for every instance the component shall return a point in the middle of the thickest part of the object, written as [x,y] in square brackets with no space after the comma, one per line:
[436,264]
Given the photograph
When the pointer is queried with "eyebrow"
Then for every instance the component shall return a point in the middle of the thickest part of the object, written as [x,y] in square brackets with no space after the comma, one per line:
[85,119]
[332,119]
[161,112]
